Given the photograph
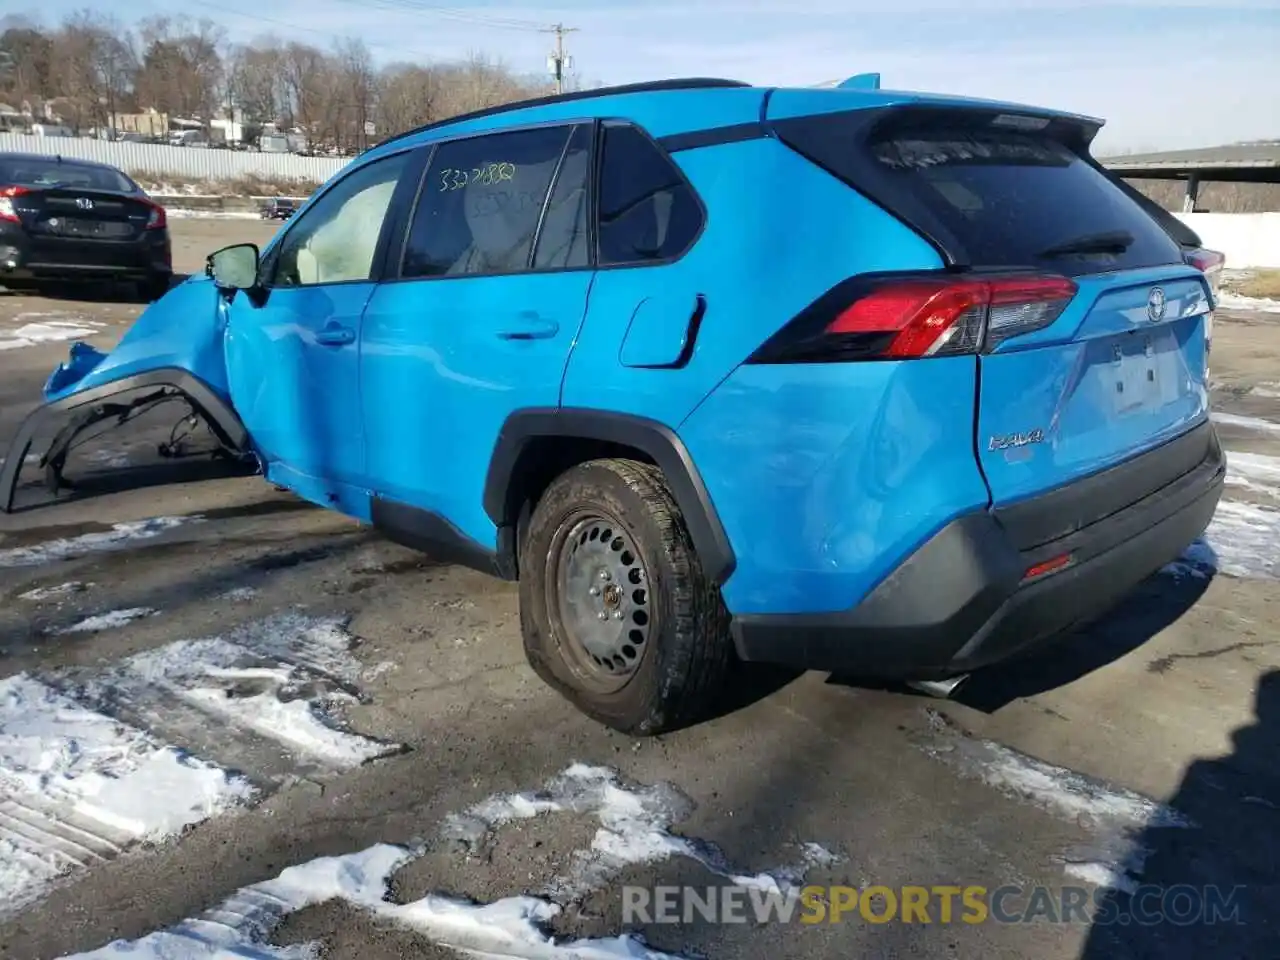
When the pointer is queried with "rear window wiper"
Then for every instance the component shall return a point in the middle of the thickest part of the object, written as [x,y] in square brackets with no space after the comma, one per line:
[1112,241]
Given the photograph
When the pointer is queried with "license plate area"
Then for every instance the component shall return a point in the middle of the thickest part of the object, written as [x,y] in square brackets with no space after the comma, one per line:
[1135,375]
[87,229]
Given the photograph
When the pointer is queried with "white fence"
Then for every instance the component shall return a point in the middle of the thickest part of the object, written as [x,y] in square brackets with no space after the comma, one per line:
[1249,240]
[160,160]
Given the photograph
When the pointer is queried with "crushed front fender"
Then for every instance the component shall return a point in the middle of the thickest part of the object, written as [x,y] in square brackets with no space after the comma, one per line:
[173,352]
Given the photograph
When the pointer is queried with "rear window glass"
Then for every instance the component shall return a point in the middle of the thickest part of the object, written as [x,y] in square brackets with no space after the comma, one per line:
[1001,197]
[38,172]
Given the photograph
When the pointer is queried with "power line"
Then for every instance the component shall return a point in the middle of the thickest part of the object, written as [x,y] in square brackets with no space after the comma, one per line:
[557,61]
[451,13]
[297,27]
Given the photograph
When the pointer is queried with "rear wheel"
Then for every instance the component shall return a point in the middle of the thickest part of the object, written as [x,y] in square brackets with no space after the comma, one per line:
[616,612]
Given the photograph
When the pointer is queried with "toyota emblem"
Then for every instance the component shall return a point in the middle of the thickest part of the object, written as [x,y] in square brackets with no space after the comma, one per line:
[1155,305]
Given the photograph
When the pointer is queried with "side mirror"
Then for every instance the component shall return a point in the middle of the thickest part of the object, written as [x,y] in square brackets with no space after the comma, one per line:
[234,267]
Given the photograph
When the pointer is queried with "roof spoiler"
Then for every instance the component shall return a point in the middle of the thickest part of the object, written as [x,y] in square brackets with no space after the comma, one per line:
[861,81]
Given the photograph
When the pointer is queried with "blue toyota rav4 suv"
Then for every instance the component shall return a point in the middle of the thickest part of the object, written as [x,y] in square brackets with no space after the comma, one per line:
[890,383]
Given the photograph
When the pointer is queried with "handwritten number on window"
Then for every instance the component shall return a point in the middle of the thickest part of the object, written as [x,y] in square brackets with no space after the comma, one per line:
[452,178]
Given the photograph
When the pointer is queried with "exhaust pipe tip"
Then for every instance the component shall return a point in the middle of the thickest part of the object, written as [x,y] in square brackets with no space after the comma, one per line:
[940,689]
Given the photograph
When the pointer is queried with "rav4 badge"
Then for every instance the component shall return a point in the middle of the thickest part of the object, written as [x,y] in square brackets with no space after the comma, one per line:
[1009,440]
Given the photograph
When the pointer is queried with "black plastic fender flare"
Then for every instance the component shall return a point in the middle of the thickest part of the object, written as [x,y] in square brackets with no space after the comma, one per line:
[222,419]
[503,497]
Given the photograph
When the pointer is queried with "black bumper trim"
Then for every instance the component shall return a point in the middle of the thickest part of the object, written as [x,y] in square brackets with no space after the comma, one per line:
[959,602]
[221,418]
[1061,512]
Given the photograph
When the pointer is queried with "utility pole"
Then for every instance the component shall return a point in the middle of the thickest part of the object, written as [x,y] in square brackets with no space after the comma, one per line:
[558,60]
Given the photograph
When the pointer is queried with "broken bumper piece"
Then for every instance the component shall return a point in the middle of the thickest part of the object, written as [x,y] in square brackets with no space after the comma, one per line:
[119,401]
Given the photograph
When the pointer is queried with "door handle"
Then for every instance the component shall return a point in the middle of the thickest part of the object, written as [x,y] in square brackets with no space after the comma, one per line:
[529,325]
[336,336]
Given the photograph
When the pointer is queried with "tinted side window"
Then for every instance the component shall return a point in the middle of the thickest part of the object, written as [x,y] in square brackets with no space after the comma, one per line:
[335,241]
[563,240]
[480,203]
[647,210]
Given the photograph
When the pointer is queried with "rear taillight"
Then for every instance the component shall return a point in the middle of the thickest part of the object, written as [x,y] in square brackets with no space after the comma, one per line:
[1208,262]
[900,318]
[7,209]
[158,219]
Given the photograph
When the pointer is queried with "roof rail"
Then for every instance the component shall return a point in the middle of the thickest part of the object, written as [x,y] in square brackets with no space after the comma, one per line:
[648,86]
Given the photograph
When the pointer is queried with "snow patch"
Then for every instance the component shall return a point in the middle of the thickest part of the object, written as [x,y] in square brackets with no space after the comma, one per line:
[120,535]
[108,621]
[45,331]
[1237,301]
[1242,541]
[282,678]
[1254,471]
[109,458]
[188,214]
[61,591]
[511,928]
[634,829]
[1256,424]
[378,669]
[1115,815]
[238,594]
[74,782]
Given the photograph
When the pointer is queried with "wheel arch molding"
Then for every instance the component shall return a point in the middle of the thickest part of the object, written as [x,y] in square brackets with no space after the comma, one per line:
[217,413]
[532,442]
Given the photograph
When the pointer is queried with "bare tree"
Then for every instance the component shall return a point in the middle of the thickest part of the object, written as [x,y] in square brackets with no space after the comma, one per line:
[257,85]
[306,75]
[27,56]
[96,68]
[91,69]
[180,69]
[408,97]
[356,85]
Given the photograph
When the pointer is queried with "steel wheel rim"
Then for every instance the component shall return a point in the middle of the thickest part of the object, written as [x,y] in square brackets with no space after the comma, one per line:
[602,600]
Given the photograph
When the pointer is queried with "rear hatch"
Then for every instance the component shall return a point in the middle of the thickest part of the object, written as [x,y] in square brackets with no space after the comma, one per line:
[1094,347]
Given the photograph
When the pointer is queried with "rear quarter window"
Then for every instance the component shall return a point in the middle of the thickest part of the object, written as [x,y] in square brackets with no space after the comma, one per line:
[991,197]
[648,212]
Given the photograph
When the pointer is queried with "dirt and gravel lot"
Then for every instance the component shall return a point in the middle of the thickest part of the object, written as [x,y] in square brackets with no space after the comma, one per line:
[301,689]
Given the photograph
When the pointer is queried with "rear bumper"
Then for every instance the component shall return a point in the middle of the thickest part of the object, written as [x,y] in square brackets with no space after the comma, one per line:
[21,258]
[961,601]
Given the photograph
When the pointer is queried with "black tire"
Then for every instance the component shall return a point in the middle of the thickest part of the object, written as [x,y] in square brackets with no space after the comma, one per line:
[677,671]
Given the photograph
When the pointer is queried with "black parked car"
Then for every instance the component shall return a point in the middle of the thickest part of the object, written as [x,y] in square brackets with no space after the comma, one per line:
[63,219]
[278,208]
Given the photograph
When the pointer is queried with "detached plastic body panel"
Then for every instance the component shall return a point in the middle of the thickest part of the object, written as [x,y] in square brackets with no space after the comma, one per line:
[173,352]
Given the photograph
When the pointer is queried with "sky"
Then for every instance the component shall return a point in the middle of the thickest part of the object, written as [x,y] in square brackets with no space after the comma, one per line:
[1164,74]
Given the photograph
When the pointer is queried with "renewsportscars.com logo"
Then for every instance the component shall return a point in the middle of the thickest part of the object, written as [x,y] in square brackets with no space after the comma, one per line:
[1181,905]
